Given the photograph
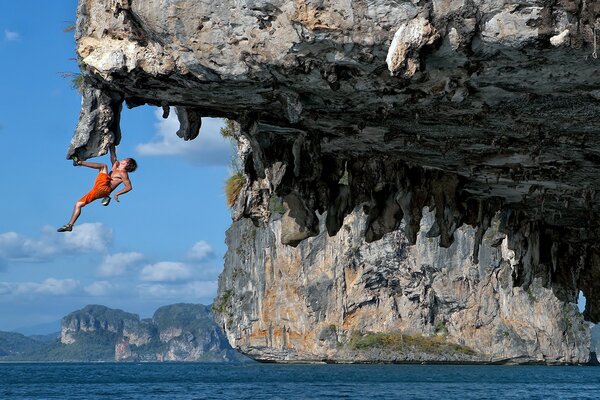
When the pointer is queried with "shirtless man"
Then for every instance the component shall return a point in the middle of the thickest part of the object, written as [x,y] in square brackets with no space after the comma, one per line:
[104,185]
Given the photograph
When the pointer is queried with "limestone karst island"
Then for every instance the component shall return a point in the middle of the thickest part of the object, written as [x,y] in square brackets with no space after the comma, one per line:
[418,178]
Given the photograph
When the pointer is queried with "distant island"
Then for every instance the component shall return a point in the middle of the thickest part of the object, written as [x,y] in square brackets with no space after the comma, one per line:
[178,332]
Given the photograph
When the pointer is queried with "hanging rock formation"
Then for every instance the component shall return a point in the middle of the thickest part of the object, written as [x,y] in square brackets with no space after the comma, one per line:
[467,107]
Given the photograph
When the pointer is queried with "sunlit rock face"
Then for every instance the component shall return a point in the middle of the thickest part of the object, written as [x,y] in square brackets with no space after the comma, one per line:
[280,303]
[178,332]
[465,107]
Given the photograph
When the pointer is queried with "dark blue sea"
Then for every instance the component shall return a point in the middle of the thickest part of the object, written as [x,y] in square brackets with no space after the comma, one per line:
[274,381]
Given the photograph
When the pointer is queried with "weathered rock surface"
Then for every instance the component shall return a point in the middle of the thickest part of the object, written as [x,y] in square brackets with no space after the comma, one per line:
[465,106]
[324,299]
[179,332]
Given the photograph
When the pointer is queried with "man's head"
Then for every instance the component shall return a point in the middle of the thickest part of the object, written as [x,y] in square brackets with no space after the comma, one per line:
[129,164]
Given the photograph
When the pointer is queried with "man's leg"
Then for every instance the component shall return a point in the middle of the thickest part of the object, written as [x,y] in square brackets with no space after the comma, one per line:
[80,204]
[100,166]
[76,213]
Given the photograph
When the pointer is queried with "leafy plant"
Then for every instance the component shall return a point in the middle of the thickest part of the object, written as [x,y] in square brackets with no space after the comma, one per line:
[228,129]
[441,329]
[233,187]
[76,80]
[276,205]
[219,308]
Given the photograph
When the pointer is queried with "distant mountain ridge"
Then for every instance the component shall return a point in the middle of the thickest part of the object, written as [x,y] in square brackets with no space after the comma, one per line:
[178,332]
[15,344]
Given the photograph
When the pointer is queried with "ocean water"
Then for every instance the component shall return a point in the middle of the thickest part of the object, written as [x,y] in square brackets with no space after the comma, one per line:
[274,381]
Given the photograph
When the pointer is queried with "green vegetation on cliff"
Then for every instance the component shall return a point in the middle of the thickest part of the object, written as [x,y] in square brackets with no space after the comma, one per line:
[233,187]
[191,317]
[395,341]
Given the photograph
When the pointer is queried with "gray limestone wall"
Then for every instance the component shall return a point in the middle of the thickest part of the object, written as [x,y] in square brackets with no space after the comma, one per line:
[317,301]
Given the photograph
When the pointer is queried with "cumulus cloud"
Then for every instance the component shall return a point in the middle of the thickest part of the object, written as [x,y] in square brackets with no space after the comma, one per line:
[87,237]
[11,36]
[209,148]
[56,287]
[192,291]
[90,237]
[165,271]
[16,247]
[100,288]
[200,251]
[117,264]
[51,286]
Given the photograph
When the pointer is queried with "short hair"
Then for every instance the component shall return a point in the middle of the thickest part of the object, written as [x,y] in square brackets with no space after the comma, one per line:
[131,165]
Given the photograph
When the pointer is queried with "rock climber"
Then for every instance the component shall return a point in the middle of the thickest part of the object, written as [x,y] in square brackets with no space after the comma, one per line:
[105,183]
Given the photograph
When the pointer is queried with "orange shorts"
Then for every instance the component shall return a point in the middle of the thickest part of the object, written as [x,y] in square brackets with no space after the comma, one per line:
[101,189]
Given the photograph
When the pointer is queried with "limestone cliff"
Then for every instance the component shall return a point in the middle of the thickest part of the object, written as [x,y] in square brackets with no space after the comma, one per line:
[315,301]
[179,332]
[469,108]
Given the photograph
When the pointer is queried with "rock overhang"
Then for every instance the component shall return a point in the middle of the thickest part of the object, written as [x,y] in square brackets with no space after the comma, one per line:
[469,107]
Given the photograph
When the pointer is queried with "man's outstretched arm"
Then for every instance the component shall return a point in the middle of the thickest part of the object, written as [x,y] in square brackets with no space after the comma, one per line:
[126,189]
[113,153]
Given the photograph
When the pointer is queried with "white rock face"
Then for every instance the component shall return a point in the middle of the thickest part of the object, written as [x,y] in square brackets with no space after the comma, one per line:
[595,342]
[560,39]
[403,54]
[307,303]
[512,26]
[442,8]
[170,333]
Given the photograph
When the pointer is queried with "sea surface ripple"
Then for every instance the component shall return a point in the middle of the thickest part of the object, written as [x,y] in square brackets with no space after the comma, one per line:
[145,381]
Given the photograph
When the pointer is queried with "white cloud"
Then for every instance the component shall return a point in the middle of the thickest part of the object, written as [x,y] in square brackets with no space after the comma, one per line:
[90,237]
[11,36]
[57,287]
[17,247]
[200,251]
[100,288]
[118,263]
[191,291]
[51,286]
[165,271]
[209,148]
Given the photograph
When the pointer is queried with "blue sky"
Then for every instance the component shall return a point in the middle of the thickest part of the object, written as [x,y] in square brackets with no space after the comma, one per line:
[163,243]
